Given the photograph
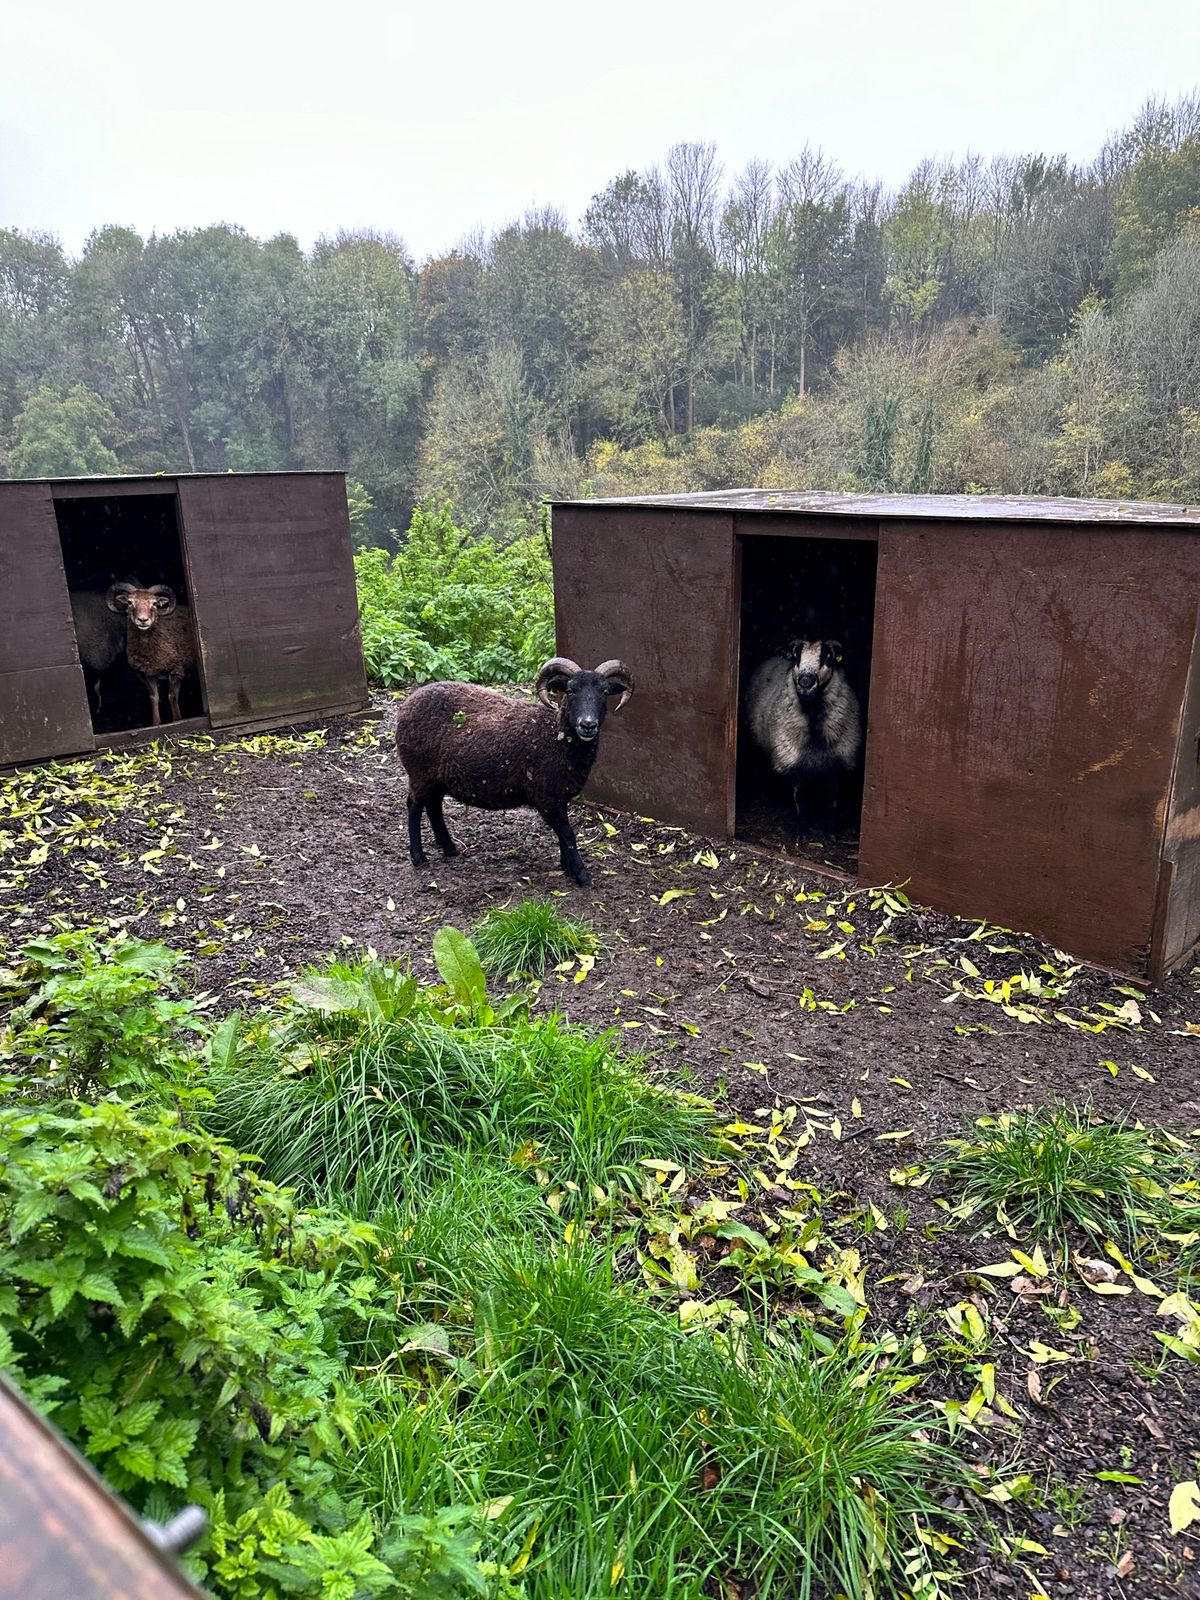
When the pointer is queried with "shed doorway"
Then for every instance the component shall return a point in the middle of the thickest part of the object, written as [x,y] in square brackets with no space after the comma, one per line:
[814,589]
[119,539]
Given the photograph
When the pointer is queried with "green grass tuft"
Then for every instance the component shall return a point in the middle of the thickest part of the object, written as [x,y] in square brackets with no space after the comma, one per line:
[1048,1170]
[342,1104]
[825,1471]
[529,937]
[607,1440]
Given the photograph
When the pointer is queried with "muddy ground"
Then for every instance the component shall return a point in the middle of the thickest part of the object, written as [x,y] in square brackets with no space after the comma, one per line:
[759,984]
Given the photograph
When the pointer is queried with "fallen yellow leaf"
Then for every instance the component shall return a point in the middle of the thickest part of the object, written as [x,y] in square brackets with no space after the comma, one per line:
[1184,1505]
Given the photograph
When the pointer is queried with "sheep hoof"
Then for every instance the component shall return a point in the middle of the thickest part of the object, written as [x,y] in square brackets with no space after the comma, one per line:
[449,849]
[583,879]
[420,861]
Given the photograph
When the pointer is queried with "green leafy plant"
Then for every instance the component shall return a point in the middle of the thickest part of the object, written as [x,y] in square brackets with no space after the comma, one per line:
[184,1322]
[450,604]
[461,1396]
[88,1005]
[529,937]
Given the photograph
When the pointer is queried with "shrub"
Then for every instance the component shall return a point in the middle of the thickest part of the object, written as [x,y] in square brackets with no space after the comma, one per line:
[88,1005]
[453,605]
[183,1322]
[463,1397]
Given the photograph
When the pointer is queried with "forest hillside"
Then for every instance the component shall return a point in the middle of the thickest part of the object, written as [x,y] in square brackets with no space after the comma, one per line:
[1010,324]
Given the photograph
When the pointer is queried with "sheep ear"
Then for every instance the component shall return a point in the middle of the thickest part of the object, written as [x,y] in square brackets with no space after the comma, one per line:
[162,592]
[620,680]
[836,646]
[117,598]
[552,679]
[795,650]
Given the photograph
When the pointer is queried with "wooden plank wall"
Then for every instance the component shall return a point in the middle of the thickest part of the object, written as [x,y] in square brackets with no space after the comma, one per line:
[43,698]
[1181,846]
[1026,693]
[272,582]
[657,589]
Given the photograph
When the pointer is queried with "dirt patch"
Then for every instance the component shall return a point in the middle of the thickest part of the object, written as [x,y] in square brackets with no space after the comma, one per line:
[762,985]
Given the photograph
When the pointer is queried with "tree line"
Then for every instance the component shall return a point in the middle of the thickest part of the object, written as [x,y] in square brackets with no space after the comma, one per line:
[1018,324]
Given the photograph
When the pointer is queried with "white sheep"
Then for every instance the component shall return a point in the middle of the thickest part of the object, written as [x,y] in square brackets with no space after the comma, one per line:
[805,716]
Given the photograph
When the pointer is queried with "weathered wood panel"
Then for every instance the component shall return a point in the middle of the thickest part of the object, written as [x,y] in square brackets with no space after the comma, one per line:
[63,1535]
[657,590]
[43,698]
[272,582]
[1026,696]
[784,525]
[971,508]
[1181,845]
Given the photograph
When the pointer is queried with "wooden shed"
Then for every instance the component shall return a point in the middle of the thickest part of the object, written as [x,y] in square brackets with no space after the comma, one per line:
[262,560]
[1028,668]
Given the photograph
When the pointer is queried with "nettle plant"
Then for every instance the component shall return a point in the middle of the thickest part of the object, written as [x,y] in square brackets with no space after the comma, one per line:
[453,604]
[88,1007]
[179,1319]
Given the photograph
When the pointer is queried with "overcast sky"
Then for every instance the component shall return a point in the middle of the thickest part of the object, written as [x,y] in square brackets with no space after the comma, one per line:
[431,121]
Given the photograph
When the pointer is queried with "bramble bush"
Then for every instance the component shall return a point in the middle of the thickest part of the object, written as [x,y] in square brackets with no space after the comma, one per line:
[451,604]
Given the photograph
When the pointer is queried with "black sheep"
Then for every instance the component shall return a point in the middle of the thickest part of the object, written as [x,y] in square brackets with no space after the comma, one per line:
[488,750]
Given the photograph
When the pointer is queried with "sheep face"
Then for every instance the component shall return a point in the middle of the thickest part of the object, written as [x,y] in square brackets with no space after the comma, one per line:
[142,607]
[814,661]
[583,696]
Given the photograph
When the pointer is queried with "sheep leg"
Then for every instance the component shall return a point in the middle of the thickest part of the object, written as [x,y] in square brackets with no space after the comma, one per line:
[152,690]
[173,687]
[569,857]
[441,833]
[416,849]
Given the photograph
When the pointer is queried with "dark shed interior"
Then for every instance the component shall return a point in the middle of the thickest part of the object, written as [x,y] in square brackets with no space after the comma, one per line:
[813,589]
[134,539]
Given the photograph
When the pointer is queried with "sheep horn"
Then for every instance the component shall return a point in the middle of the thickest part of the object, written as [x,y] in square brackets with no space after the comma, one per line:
[165,589]
[619,673]
[115,591]
[556,667]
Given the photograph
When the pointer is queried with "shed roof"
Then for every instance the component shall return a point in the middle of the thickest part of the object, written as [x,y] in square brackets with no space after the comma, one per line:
[118,478]
[913,507]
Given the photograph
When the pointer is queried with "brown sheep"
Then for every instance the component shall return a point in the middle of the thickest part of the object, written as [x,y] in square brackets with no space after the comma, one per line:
[489,750]
[159,642]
